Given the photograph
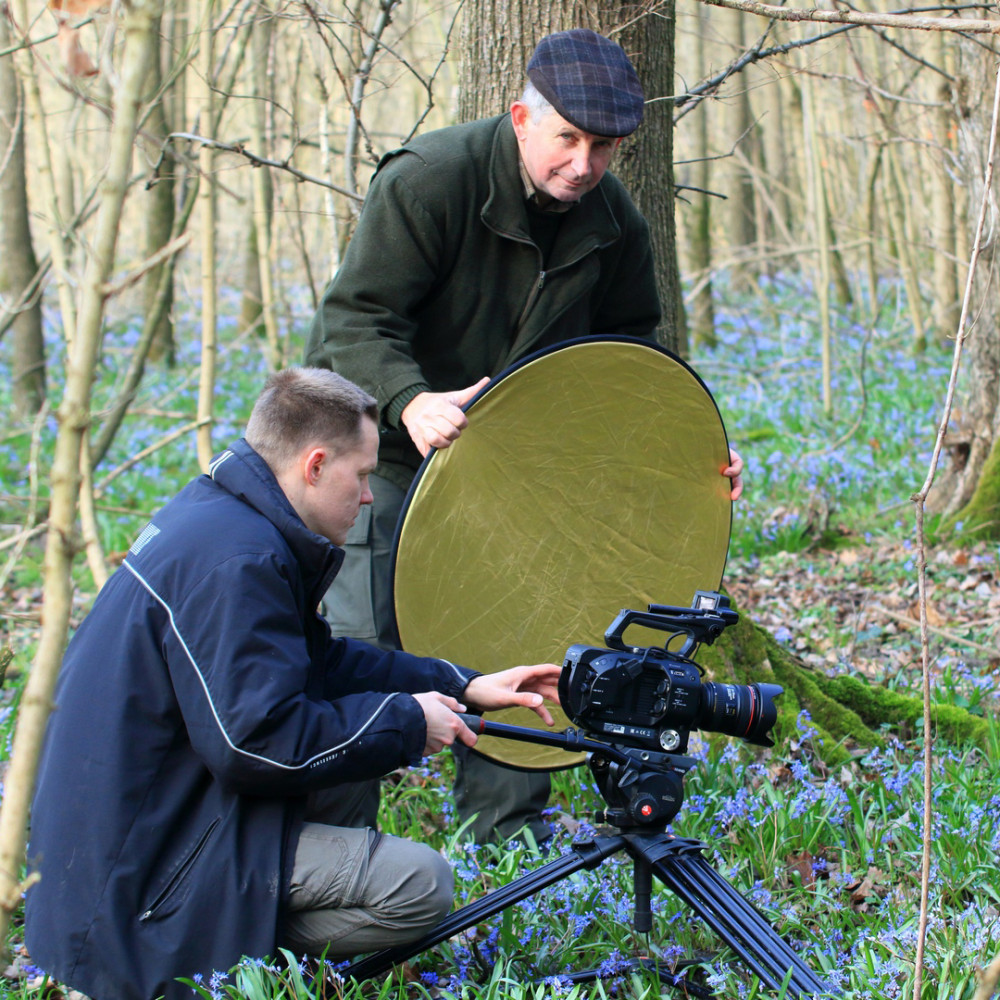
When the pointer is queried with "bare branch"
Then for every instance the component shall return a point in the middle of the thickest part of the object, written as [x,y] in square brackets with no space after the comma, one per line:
[260,161]
[138,273]
[911,21]
[193,425]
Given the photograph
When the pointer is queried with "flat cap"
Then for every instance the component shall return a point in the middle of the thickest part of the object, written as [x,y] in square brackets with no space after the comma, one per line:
[589,80]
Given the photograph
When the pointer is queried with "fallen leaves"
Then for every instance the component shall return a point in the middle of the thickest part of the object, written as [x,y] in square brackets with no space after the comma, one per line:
[858,608]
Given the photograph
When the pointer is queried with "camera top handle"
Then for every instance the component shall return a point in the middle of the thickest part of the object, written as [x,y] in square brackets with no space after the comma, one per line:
[707,618]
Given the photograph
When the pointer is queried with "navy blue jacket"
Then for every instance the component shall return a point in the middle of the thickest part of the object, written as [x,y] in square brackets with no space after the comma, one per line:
[200,701]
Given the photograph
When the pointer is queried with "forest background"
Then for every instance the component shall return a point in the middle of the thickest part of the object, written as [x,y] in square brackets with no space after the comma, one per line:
[177,183]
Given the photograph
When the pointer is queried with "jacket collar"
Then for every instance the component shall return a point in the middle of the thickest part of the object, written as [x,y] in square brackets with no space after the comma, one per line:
[242,472]
[505,212]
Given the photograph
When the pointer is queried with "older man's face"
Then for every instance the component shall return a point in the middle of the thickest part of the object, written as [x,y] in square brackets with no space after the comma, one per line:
[562,160]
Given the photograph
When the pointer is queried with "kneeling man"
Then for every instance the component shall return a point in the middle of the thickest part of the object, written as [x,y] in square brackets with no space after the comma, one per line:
[195,798]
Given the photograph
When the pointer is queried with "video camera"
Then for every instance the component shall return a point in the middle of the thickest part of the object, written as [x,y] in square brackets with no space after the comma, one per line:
[651,698]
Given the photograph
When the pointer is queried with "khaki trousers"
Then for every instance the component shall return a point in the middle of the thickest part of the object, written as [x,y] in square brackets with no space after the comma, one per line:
[355,890]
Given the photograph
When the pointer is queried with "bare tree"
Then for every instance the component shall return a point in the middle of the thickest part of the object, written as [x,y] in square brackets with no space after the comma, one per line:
[18,264]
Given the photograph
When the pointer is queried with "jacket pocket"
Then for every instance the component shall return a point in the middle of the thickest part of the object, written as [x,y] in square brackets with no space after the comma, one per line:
[173,894]
[349,603]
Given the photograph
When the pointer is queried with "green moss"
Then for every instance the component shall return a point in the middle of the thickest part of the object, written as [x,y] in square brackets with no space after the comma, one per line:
[903,713]
[980,518]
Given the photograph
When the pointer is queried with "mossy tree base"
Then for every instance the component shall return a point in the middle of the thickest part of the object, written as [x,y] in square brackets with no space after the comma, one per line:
[847,713]
[980,517]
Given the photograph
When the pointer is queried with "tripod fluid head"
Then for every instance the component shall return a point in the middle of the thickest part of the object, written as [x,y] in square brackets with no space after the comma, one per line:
[643,789]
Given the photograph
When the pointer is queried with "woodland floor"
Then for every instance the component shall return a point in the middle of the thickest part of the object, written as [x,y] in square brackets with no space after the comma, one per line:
[858,609]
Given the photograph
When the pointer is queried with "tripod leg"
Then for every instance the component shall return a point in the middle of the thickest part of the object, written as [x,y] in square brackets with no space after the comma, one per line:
[586,855]
[682,869]
[642,881]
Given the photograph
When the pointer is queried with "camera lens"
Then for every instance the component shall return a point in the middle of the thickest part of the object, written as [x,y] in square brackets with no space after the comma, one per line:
[743,710]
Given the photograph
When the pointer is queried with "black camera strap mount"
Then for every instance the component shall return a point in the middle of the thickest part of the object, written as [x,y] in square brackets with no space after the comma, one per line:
[643,792]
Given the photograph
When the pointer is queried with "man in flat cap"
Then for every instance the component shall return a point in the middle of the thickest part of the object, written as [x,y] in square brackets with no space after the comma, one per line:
[478,245]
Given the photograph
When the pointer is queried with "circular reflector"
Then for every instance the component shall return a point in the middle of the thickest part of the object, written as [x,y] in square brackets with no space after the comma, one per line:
[587,481]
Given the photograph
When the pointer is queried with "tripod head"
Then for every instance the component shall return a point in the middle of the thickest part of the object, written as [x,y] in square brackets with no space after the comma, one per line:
[643,789]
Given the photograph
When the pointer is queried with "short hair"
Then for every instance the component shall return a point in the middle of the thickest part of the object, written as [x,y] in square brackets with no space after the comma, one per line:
[538,107]
[299,406]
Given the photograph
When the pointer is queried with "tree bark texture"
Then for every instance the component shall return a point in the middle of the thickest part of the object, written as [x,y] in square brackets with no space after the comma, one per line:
[207,218]
[969,492]
[44,170]
[18,263]
[696,210]
[497,41]
[159,217]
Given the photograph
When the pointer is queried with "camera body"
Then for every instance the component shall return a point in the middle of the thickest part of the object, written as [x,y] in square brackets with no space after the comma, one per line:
[651,698]
[632,698]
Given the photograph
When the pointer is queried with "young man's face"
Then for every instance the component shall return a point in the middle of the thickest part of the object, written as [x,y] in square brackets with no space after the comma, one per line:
[562,160]
[338,486]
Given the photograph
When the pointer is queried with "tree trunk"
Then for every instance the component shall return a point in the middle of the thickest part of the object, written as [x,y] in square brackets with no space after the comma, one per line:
[497,42]
[207,213]
[159,216]
[44,171]
[17,261]
[741,134]
[702,320]
[968,492]
[257,309]
[947,302]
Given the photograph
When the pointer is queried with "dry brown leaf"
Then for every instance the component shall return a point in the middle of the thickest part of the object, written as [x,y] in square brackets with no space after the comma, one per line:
[803,864]
[76,61]
[76,8]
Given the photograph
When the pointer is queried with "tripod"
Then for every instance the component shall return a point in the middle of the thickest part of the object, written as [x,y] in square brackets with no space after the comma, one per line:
[643,791]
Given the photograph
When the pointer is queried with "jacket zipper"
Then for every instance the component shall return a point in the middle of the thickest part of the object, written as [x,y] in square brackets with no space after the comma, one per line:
[536,290]
[178,875]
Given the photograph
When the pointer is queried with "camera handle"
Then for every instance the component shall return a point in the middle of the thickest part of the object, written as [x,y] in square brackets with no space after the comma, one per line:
[707,618]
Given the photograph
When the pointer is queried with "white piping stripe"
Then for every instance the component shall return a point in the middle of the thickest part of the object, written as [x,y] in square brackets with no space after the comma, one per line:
[215,465]
[458,672]
[215,714]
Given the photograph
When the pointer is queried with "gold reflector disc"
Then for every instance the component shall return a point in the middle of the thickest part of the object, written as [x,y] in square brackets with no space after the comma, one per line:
[587,481]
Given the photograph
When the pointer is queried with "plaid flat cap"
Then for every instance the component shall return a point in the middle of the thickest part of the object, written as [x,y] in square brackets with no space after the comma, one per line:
[589,80]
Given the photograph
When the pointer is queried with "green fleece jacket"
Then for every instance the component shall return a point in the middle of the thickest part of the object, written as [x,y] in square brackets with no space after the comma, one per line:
[442,283]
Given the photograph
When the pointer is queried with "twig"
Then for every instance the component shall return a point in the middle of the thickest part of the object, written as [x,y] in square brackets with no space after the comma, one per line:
[21,540]
[860,17]
[22,616]
[990,651]
[100,487]
[261,161]
[26,533]
[988,980]
[853,429]
[112,288]
[920,499]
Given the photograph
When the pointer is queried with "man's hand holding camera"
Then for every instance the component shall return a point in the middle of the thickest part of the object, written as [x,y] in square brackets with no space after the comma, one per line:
[526,687]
